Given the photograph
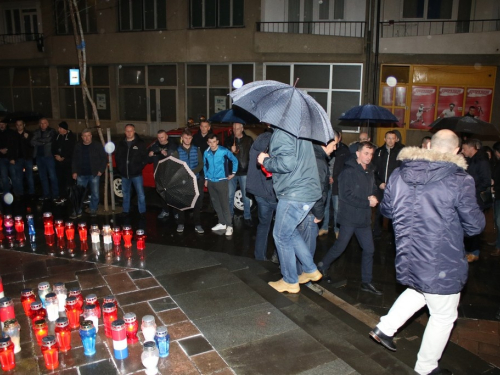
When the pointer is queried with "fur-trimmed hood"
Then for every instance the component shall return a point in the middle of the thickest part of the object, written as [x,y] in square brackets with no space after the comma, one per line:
[421,166]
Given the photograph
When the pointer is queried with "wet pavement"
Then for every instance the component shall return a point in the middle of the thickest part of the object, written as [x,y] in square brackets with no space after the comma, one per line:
[212,294]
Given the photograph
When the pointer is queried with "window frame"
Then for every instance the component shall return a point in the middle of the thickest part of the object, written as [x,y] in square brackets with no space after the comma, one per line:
[425,13]
[143,17]
[218,17]
[85,11]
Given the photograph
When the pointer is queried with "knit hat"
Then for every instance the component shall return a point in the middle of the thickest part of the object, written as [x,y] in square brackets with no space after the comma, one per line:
[64,125]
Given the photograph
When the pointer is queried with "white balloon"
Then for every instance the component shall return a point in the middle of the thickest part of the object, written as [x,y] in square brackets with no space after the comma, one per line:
[237,83]
[109,147]
[391,81]
[8,198]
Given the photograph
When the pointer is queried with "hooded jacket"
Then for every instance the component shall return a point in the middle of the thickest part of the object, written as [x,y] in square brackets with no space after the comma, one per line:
[130,161]
[215,164]
[432,203]
[64,146]
[257,183]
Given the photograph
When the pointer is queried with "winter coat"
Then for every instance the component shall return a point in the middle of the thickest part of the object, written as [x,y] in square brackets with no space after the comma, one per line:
[215,164]
[43,139]
[98,158]
[479,169]
[130,161]
[293,165]
[322,158]
[64,146]
[157,148]
[355,186]
[244,144]
[257,183]
[385,162]
[341,155]
[24,147]
[201,141]
[7,140]
[192,157]
[432,203]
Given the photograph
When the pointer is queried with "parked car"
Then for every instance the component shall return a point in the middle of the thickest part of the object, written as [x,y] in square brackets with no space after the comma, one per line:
[10,117]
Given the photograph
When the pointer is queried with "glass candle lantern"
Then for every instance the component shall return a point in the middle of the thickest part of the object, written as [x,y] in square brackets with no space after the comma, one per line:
[31,227]
[43,289]
[40,329]
[119,336]
[20,239]
[82,231]
[148,327]
[95,233]
[6,309]
[150,357]
[117,235]
[52,307]
[141,239]
[37,311]
[127,236]
[50,240]
[69,228]
[12,329]
[48,223]
[77,292]
[7,358]
[107,234]
[59,228]
[109,315]
[162,340]
[90,313]
[73,312]
[91,299]
[88,334]
[62,293]
[27,297]
[110,299]
[1,287]
[132,327]
[50,352]
[63,334]
[8,223]
[19,224]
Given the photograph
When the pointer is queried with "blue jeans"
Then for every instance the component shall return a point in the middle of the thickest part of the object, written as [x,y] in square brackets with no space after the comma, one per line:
[365,239]
[308,229]
[47,171]
[326,217]
[266,211]
[232,190]
[7,169]
[288,240]
[94,189]
[24,168]
[139,189]
[497,221]
[335,204]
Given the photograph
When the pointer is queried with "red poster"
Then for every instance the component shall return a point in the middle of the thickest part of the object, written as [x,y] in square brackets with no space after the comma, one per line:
[400,114]
[450,102]
[481,101]
[423,99]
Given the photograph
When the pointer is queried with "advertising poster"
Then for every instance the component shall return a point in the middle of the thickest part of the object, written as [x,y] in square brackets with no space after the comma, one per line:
[450,102]
[423,99]
[220,103]
[400,114]
[481,99]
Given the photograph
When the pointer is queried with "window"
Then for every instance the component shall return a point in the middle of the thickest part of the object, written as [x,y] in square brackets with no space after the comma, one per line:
[338,10]
[20,23]
[26,89]
[88,17]
[324,10]
[138,15]
[433,9]
[217,13]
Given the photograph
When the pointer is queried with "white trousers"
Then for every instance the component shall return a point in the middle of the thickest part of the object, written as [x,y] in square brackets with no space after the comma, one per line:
[443,313]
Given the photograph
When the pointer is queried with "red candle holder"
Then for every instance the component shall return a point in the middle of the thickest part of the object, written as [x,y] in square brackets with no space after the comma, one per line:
[59,227]
[1,220]
[40,329]
[27,298]
[127,236]
[20,239]
[7,358]
[6,309]
[8,223]
[50,239]
[141,239]
[1,283]
[37,311]
[48,223]
[63,334]
[110,299]
[82,232]
[50,352]
[117,235]
[109,315]
[91,299]
[132,327]
[77,292]
[73,312]
[19,224]
[70,230]
[84,246]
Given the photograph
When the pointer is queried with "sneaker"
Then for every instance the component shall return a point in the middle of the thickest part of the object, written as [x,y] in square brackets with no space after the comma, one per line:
[180,228]
[199,229]
[229,231]
[282,286]
[59,200]
[73,216]
[163,214]
[275,259]
[313,276]
[322,232]
[176,216]
[219,227]
[472,258]
[43,199]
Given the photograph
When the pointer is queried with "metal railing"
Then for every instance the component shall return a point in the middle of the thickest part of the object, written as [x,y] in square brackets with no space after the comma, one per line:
[394,29]
[20,38]
[355,29]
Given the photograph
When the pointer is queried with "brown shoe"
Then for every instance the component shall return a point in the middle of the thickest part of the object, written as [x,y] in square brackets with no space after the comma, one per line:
[472,258]
[282,286]
[322,232]
[313,276]
[496,253]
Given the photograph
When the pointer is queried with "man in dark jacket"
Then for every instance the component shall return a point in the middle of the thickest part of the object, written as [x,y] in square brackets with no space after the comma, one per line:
[432,202]
[479,169]
[62,149]
[88,165]
[356,198]
[131,157]
[8,152]
[42,141]
[385,162]
[239,144]
[24,160]
[200,139]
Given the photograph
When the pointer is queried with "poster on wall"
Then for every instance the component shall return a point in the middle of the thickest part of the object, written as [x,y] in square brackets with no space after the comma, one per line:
[400,96]
[450,102]
[220,103]
[400,114]
[480,100]
[101,101]
[423,99]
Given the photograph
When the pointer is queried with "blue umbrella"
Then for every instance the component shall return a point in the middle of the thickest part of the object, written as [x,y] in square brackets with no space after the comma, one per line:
[230,115]
[369,113]
[285,107]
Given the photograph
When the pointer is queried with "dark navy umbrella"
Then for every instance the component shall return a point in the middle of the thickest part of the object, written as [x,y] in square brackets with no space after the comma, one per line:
[369,113]
[466,124]
[234,115]
[285,107]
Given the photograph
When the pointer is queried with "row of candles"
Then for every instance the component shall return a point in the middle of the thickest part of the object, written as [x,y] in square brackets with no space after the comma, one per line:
[78,313]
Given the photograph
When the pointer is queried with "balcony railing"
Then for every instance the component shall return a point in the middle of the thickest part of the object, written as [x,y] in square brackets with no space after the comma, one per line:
[20,38]
[393,29]
[355,29]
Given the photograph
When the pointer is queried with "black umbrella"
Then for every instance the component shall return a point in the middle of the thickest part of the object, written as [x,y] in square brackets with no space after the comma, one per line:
[466,124]
[234,115]
[176,183]
[369,113]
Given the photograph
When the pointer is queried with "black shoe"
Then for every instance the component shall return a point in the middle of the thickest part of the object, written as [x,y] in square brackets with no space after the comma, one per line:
[368,287]
[383,339]
[249,223]
[440,371]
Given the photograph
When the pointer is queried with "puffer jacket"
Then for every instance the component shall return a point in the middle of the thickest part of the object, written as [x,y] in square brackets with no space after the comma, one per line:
[432,203]
[215,164]
[130,161]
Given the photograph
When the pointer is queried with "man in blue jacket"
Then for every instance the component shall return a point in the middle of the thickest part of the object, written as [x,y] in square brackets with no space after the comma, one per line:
[215,163]
[432,202]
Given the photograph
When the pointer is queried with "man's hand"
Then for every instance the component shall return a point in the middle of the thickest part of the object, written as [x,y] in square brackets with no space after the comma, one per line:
[75,175]
[206,183]
[26,135]
[233,149]
[13,162]
[99,173]
[164,152]
[58,158]
[316,220]
[330,180]
[230,176]
[261,157]
[151,153]
[382,186]
[373,200]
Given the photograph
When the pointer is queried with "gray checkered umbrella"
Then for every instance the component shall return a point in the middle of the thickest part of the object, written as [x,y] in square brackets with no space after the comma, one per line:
[285,107]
